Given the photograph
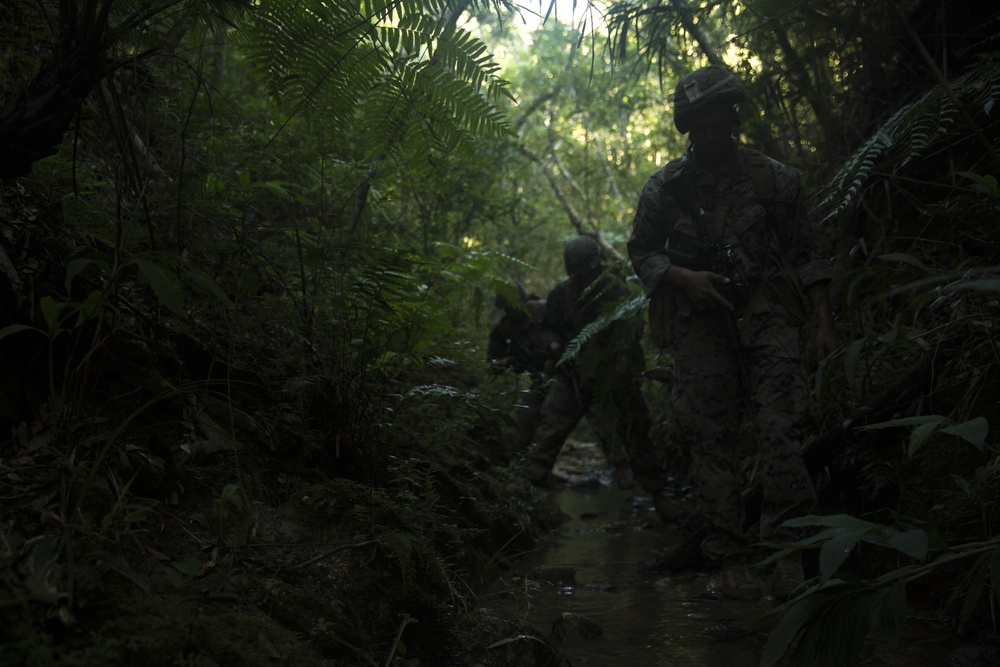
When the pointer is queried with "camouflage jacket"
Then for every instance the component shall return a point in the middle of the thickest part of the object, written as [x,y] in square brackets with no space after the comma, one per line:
[772,236]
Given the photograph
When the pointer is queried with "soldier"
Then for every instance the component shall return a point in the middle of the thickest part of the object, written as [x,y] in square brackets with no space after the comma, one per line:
[517,343]
[724,247]
[601,381]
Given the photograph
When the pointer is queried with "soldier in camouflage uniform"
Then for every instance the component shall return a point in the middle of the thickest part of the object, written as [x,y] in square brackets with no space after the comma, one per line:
[601,381]
[736,352]
[517,343]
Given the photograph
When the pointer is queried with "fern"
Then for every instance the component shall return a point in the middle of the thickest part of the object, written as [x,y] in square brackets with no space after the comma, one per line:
[625,310]
[911,133]
[425,83]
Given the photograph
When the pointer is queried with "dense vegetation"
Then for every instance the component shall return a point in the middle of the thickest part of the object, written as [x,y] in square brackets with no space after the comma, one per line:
[250,252]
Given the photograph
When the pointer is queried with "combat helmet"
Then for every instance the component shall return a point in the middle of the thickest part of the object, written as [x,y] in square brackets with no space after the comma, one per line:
[582,254]
[704,86]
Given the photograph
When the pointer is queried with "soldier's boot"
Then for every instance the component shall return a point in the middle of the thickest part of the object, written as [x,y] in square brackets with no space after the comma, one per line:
[789,579]
[737,581]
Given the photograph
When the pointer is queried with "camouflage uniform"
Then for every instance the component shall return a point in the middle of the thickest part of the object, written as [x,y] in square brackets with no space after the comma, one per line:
[601,383]
[517,342]
[708,411]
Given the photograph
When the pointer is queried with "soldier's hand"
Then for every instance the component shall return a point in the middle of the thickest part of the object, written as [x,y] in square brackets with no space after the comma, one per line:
[700,286]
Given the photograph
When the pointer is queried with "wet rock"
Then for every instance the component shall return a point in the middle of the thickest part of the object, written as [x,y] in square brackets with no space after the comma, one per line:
[569,625]
[558,575]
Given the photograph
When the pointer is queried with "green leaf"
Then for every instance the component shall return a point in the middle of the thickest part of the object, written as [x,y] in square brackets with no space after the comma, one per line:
[16,328]
[50,311]
[90,307]
[975,589]
[845,521]
[890,607]
[798,616]
[834,551]
[204,282]
[164,283]
[851,357]
[190,566]
[904,258]
[973,431]
[73,269]
[981,285]
[919,436]
[905,421]
[914,543]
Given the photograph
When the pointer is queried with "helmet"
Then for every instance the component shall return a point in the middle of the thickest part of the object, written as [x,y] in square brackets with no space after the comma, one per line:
[708,85]
[582,254]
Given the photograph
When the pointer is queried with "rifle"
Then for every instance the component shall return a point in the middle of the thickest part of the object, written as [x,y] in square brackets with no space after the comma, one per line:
[718,259]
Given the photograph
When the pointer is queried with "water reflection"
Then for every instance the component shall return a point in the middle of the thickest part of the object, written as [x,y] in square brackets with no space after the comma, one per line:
[647,620]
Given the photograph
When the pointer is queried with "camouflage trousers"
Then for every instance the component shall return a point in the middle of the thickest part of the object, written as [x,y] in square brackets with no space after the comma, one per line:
[734,442]
[622,428]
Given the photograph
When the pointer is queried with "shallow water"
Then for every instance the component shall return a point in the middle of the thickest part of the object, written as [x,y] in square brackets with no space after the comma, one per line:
[649,619]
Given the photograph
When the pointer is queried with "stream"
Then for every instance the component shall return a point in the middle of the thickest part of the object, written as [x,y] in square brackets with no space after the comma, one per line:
[589,586]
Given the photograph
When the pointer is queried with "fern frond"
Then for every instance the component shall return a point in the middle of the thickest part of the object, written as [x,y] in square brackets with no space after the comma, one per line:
[625,310]
[427,84]
[912,133]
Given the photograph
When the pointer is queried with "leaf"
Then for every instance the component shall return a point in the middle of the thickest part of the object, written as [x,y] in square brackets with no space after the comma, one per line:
[905,421]
[973,431]
[50,311]
[73,269]
[904,258]
[851,356]
[204,282]
[890,606]
[834,551]
[17,328]
[974,591]
[797,616]
[90,307]
[164,283]
[914,543]
[845,521]
[919,436]
[982,285]
[190,566]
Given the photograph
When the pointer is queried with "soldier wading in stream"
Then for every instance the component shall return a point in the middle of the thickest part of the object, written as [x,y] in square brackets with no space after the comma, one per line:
[601,381]
[723,245]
